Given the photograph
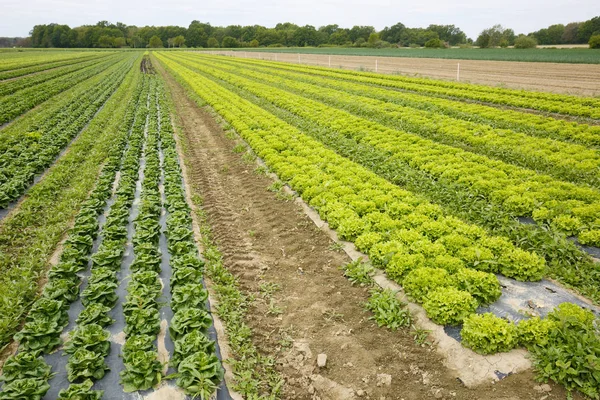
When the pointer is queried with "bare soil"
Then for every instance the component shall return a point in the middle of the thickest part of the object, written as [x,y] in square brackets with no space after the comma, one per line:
[578,79]
[304,306]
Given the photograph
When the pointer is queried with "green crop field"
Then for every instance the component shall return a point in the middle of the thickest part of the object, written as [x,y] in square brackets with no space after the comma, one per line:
[577,55]
[153,237]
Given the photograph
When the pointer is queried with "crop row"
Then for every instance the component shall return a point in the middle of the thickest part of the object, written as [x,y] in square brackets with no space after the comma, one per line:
[568,263]
[527,123]
[15,105]
[542,101]
[401,232]
[39,67]
[28,155]
[436,258]
[19,61]
[199,371]
[26,374]
[29,235]
[566,207]
[141,310]
[8,88]
[566,161]
[99,296]
[42,119]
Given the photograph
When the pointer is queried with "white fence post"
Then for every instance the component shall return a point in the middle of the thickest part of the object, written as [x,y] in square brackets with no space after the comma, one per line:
[298,58]
[376,65]
[329,61]
[458,72]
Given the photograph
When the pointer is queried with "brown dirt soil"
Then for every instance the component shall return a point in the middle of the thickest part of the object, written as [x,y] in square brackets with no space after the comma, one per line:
[269,241]
[579,79]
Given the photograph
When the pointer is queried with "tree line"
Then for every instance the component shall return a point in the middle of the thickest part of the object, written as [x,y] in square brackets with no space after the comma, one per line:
[200,34]
[572,33]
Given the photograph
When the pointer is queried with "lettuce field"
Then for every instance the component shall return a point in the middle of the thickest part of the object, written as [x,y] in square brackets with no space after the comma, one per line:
[156,237]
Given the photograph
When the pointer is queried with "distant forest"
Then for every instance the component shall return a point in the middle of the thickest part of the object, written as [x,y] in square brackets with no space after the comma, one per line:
[198,34]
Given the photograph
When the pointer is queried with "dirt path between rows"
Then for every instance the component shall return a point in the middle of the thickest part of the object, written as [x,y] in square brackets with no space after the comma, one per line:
[578,79]
[306,307]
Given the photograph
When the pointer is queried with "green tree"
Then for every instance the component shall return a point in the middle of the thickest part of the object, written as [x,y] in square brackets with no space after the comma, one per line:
[394,33]
[197,34]
[212,42]
[119,42]
[155,42]
[229,42]
[254,43]
[570,34]
[304,36]
[373,39]
[525,42]
[179,40]
[588,29]
[492,37]
[339,37]
[449,33]
[555,33]
[594,42]
[434,44]
[360,32]
[105,41]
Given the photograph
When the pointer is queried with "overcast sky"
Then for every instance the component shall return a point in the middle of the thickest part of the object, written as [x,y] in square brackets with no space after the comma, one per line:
[18,17]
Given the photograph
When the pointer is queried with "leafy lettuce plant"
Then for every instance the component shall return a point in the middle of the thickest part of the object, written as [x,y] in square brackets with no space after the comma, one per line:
[90,337]
[185,275]
[27,388]
[200,374]
[449,306]
[534,331]
[85,364]
[81,391]
[489,334]
[483,286]
[142,321]
[191,343]
[187,320]
[419,282]
[95,313]
[25,365]
[142,371]
[191,295]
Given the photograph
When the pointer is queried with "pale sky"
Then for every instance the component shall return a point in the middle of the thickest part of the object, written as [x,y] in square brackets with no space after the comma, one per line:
[18,17]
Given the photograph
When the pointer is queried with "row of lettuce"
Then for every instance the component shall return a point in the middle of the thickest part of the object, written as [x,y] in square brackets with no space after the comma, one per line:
[16,84]
[501,118]
[18,64]
[199,370]
[588,107]
[562,160]
[566,262]
[142,370]
[568,208]
[442,262]
[30,234]
[26,374]
[11,106]
[33,143]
